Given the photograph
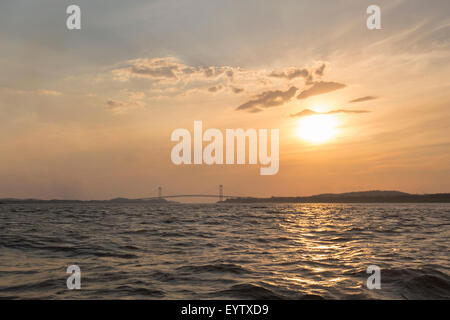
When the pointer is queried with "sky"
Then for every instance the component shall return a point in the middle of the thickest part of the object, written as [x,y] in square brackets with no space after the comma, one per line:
[88,114]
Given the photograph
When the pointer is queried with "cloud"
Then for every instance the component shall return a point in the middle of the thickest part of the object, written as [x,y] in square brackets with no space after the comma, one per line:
[188,70]
[113,103]
[40,92]
[237,90]
[367,98]
[215,88]
[152,68]
[309,112]
[320,71]
[268,99]
[170,77]
[48,93]
[320,87]
[305,113]
[171,70]
[213,72]
[131,100]
[121,107]
[158,72]
[292,73]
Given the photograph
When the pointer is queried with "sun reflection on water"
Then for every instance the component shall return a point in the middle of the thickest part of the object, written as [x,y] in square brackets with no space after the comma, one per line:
[324,255]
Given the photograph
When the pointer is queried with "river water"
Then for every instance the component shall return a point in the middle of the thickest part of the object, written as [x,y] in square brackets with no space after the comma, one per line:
[225,251]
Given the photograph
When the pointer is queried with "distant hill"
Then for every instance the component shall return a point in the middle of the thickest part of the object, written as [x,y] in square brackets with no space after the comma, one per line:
[115,200]
[375,193]
[375,196]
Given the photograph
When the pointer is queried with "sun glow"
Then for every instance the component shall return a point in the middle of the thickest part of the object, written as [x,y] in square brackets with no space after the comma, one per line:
[317,129]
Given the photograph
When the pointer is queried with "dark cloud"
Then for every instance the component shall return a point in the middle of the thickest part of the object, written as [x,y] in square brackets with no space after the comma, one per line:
[209,72]
[212,72]
[304,113]
[367,98]
[120,105]
[320,87]
[157,72]
[172,69]
[309,112]
[320,71]
[254,110]
[291,74]
[268,99]
[189,70]
[115,104]
[237,90]
[215,88]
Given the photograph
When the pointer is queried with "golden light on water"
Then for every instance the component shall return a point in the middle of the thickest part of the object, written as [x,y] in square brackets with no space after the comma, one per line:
[317,129]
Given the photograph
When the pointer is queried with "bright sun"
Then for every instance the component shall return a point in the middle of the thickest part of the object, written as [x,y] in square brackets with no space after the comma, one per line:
[317,129]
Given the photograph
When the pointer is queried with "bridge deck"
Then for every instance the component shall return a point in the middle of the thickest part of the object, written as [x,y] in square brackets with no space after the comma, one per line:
[194,196]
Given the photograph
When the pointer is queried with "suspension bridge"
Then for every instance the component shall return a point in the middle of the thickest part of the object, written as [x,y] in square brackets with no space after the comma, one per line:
[220,195]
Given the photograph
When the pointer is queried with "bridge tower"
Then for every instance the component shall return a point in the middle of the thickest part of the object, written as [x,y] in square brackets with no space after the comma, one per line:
[220,192]
[159,192]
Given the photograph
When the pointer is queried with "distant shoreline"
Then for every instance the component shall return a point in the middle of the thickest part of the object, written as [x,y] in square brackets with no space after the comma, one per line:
[117,200]
[349,197]
[353,197]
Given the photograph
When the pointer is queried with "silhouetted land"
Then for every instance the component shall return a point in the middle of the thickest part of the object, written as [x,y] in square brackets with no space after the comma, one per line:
[115,200]
[353,197]
[349,197]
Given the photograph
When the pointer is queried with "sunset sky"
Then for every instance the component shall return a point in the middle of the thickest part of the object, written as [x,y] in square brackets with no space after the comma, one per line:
[88,113]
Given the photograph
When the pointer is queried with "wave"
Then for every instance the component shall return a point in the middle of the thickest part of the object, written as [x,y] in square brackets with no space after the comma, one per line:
[234,251]
[250,291]
[215,268]
[426,283]
[140,291]
[409,283]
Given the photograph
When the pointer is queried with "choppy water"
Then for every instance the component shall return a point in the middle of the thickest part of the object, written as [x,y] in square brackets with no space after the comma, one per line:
[209,251]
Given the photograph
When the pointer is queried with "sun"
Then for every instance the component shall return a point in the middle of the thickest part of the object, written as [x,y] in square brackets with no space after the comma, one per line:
[317,129]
